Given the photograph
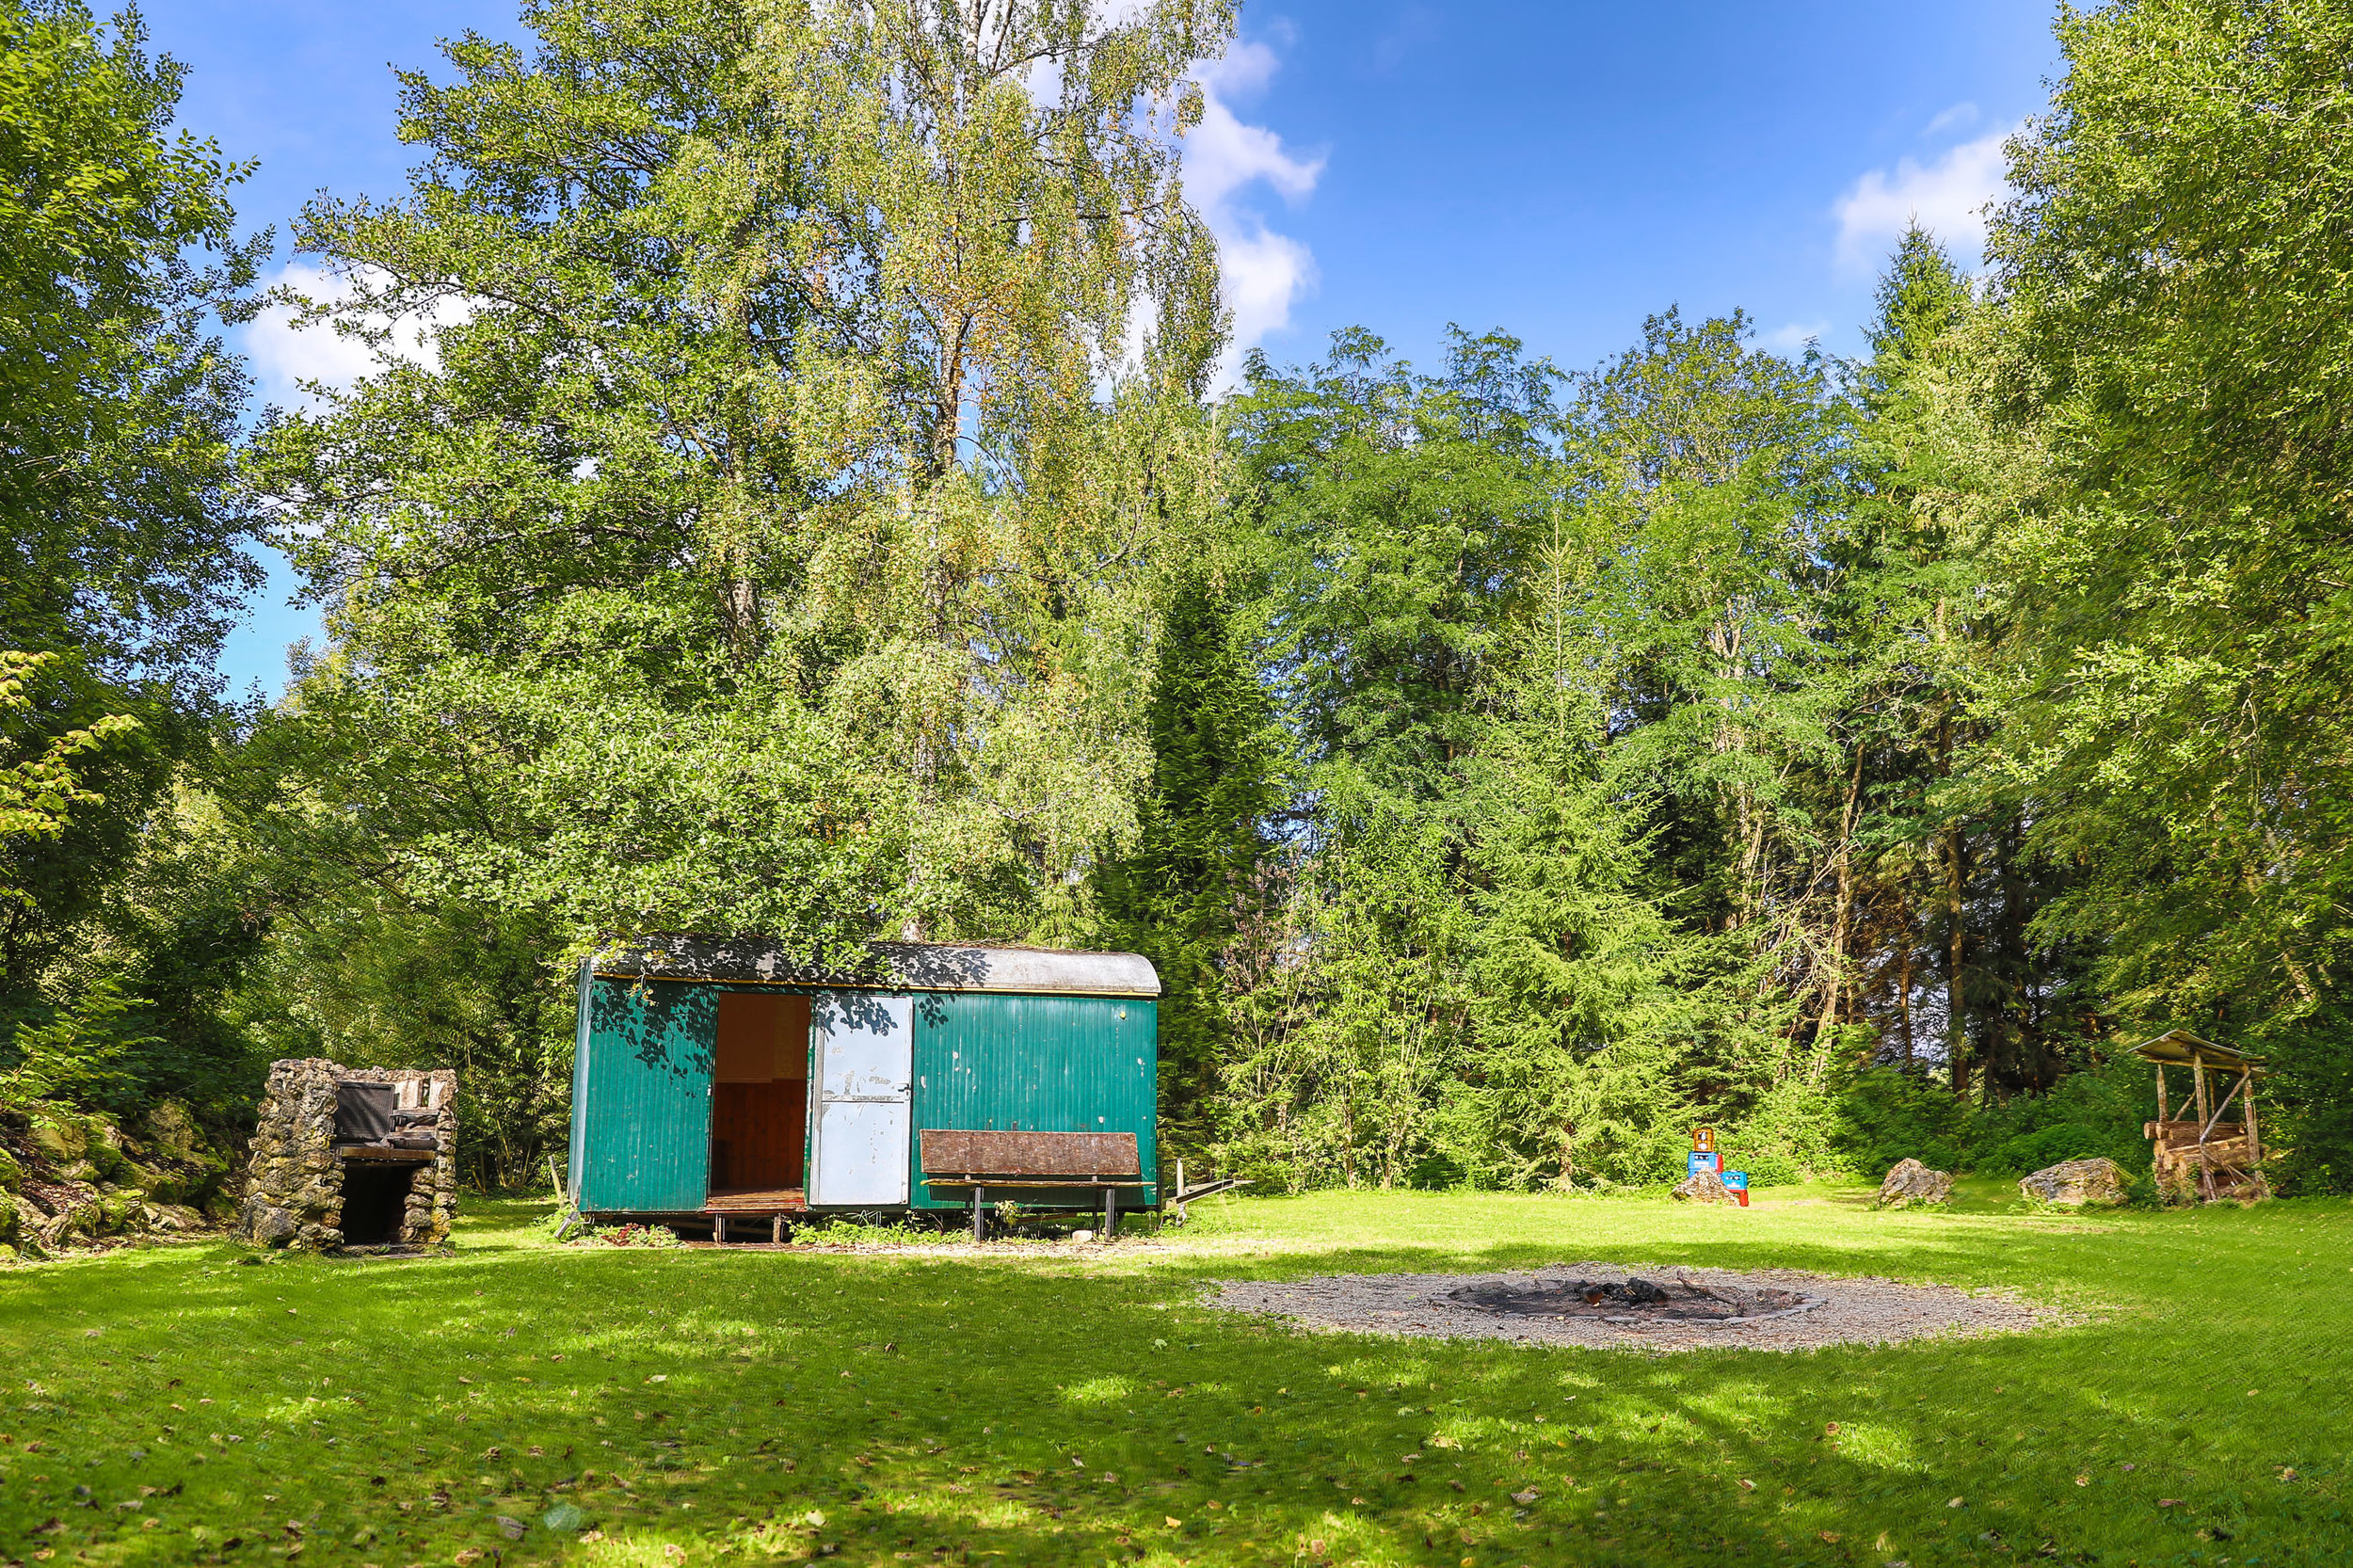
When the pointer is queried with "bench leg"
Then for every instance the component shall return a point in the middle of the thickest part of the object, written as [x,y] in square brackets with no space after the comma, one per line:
[979,1219]
[1111,1212]
[776,1230]
[719,1228]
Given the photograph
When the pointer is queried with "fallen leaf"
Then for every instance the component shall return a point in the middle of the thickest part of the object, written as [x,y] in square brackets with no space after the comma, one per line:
[1832,1428]
[1173,1524]
[2083,1481]
[511,1529]
[1524,1499]
[664,1377]
[1954,1503]
[1747,1485]
[467,1556]
[592,1537]
[2169,1502]
[1831,1536]
[2131,1467]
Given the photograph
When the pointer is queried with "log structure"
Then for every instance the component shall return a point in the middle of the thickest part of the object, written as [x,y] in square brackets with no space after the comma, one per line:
[2210,1145]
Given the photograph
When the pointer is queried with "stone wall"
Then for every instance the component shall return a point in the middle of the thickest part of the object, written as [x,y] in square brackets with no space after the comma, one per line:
[294,1187]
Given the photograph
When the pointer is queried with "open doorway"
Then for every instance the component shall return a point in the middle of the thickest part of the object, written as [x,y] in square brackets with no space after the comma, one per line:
[376,1201]
[760,1095]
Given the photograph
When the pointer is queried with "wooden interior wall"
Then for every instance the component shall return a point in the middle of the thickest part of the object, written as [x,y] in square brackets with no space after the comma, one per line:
[760,1101]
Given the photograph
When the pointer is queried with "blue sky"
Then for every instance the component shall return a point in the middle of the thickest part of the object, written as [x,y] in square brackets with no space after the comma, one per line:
[1560,170]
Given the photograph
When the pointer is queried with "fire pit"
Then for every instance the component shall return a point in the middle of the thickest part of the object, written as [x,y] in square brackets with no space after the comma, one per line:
[1635,1300]
[1662,1307]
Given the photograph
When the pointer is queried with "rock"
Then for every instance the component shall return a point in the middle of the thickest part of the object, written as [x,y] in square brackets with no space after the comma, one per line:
[1704,1186]
[60,1142]
[172,1128]
[61,1213]
[266,1224]
[2077,1183]
[11,1174]
[1083,1236]
[1912,1182]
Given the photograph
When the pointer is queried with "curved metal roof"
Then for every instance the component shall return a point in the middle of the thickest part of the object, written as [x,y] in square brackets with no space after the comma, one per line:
[888,966]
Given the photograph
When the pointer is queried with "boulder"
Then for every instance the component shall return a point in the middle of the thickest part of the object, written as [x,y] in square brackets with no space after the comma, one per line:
[169,1219]
[61,1214]
[11,1174]
[1704,1186]
[266,1224]
[2075,1183]
[62,1140]
[172,1128]
[1911,1182]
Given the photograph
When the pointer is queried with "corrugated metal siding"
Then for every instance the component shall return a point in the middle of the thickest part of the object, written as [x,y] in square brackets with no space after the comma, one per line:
[641,1109]
[1039,1064]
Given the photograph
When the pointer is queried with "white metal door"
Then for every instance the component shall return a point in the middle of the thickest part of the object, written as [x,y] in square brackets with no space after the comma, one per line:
[865,1049]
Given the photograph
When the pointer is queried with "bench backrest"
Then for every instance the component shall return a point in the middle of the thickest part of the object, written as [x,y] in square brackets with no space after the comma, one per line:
[961,1152]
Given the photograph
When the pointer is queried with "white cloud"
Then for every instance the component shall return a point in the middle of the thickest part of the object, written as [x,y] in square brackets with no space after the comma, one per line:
[284,356]
[1224,157]
[1959,118]
[1947,196]
[1793,338]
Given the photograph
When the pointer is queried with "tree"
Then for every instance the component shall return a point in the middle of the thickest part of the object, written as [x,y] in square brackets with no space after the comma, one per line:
[745,596]
[2173,270]
[120,530]
[1180,894]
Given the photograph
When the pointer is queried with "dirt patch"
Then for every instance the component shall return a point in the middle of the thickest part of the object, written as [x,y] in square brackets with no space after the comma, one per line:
[1792,1311]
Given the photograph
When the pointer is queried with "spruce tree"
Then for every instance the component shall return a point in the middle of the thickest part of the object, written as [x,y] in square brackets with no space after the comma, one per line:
[1178,895]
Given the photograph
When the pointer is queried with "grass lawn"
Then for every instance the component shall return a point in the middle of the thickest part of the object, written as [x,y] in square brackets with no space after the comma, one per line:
[171,1406]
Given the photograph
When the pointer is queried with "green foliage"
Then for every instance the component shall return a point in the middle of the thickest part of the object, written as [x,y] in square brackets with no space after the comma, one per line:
[1886,1115]
[1180,894]
[87,1056]
[121,532]
[2172,277]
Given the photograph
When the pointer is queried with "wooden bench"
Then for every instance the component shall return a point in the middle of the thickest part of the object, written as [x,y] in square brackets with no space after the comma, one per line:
[958,1157]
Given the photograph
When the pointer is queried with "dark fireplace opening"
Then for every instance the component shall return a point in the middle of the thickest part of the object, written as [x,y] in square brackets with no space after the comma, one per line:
[376,1201]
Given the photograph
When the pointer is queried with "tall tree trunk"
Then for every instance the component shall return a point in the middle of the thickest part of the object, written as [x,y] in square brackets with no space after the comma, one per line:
[1955,1019]
[1834,981]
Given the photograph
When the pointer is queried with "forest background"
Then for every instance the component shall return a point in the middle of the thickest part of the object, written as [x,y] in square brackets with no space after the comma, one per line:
[816,522]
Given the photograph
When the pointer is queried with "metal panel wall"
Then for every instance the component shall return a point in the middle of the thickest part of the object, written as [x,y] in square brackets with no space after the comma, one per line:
[1042,1064]
[641,1104]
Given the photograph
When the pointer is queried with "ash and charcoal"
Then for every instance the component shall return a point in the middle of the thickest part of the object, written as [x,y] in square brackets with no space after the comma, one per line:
[1641,1306]
[1634,1299]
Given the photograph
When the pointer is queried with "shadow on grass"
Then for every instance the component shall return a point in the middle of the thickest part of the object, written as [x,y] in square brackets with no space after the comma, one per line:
[895,1407]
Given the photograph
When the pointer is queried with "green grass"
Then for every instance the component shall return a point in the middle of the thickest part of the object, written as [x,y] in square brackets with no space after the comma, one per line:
[885,1407]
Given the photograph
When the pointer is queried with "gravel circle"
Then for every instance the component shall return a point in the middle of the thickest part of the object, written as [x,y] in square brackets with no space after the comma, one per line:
[1858,1311]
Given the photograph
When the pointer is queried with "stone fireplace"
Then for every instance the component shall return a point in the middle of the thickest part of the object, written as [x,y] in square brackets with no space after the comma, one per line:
[351,1158]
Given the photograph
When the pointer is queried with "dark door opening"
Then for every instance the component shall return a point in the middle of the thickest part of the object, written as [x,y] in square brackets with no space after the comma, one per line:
[376,1201]
[760,1095]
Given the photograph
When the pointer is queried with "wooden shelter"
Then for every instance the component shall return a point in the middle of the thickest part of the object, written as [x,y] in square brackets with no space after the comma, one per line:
[2203,1152]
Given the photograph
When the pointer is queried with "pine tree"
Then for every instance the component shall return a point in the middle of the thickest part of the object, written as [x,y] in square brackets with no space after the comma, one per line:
[1175,897]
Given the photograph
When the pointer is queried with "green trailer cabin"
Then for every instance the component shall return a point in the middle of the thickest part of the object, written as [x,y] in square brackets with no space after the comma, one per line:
[721,1082]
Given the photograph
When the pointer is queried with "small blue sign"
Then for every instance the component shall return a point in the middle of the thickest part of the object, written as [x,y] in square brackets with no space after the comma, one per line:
[1736,1180]
[1711,1161]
